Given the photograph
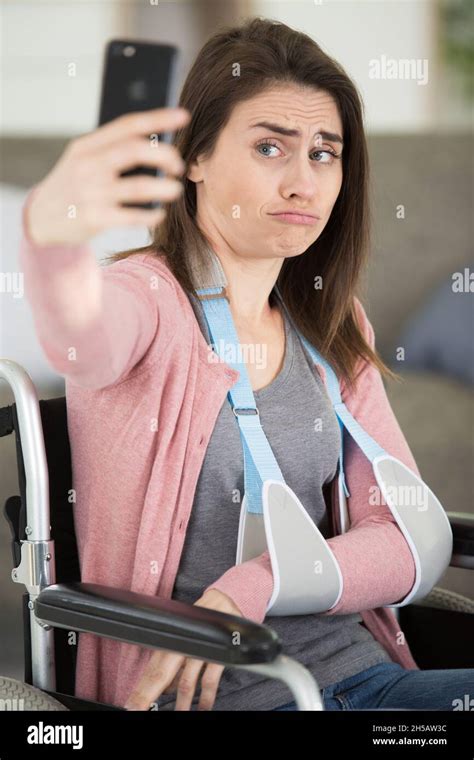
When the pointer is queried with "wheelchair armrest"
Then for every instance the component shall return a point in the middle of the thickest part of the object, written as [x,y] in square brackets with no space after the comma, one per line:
[154,622]
[462,525]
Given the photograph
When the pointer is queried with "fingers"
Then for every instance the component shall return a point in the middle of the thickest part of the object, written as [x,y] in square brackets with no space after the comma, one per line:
[171,689]
[143,188]
[143,152]
[166,672]
[159,672]
[187,684]
[209,685]
[137,123]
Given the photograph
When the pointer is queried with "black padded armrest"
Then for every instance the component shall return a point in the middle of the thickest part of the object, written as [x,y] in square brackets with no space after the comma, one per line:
[158,623]
[462,525]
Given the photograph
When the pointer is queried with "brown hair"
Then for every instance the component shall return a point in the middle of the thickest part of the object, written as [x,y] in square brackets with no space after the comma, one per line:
[271,53]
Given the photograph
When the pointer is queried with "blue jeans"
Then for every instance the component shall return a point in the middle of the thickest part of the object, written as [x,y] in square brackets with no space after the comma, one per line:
[389,686]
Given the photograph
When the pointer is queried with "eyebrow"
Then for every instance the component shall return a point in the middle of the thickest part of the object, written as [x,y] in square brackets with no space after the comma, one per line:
[331,136]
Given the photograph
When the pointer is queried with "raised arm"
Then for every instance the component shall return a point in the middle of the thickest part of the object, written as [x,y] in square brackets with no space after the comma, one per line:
[96,323]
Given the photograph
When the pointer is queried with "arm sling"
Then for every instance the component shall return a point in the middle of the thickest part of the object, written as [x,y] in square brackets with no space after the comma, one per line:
[307,577]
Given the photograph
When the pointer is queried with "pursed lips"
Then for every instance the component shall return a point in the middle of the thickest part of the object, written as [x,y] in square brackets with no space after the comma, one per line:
[295,217]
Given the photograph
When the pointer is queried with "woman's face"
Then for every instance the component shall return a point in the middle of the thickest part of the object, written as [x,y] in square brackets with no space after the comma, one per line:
[256,171]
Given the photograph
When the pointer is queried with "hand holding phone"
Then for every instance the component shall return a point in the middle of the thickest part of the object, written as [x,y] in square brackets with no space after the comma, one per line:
[84,193]
[115,175]
[139,76]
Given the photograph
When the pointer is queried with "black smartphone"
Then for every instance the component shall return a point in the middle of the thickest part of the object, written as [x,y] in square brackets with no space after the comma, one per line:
[138,76]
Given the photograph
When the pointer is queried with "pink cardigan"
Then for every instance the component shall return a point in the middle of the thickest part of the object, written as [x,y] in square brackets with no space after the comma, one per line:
[142,401]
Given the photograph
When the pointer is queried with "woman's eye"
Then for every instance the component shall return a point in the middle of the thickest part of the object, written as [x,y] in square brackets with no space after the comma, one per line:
[331,156]
[266,145]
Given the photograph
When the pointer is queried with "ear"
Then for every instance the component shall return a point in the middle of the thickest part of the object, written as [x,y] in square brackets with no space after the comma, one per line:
[195,172]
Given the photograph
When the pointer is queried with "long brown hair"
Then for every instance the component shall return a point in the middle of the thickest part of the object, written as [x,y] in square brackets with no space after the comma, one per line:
[271,53]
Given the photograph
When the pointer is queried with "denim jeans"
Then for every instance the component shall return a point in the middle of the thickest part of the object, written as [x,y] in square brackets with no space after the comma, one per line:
[389,686]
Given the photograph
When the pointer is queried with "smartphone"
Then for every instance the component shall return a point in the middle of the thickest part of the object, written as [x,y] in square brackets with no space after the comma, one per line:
[138,76]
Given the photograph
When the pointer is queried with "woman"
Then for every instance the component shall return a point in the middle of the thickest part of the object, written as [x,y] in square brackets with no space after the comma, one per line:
[274,193]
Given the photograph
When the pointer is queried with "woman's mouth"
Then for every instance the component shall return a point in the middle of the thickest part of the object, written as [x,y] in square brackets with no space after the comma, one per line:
[295,218]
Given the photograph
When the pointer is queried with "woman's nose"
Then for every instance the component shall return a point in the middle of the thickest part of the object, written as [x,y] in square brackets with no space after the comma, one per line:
[300,179]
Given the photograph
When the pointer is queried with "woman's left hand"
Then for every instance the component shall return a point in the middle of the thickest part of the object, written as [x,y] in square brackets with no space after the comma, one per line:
[168,671]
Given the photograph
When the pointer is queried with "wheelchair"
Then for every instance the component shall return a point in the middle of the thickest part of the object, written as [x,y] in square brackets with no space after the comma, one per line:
[56,602]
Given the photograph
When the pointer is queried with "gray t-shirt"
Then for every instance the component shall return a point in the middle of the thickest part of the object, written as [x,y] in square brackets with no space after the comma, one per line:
[303,432]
